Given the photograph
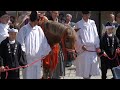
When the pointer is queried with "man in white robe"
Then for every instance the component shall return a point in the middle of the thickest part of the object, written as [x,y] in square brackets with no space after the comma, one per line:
[4,19]
[35,44]
[88,39]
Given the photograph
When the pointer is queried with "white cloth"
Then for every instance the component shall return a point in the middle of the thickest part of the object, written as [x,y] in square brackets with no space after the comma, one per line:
[32,72]
[110,35]
[13,30]
[86,62]
[3,31]
[12,42]
[35,45]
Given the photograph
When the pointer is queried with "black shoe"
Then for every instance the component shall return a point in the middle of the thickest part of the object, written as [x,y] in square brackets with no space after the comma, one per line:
[112,78]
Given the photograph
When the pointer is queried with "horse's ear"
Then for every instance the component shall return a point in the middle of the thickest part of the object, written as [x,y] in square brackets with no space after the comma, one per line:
[46,25]
[68,31]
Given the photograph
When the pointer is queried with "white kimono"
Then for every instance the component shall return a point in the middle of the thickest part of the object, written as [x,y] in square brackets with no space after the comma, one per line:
[3,31]
[86,62]
[35,44]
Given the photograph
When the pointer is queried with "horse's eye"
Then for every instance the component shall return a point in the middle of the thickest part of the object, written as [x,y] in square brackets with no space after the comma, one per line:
[67,40]
[69,33]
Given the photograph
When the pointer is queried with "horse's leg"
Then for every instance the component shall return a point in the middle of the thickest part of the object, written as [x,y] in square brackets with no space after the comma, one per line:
[50,70]
[45,73]
[50,74]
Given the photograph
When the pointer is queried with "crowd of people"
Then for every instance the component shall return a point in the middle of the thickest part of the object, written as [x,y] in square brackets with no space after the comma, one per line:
[23,43]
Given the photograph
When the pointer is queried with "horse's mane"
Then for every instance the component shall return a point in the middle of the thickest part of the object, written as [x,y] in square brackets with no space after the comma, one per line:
[55,27]
[55,31]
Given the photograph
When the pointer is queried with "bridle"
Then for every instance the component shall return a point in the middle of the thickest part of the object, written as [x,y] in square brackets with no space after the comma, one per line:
[65,50]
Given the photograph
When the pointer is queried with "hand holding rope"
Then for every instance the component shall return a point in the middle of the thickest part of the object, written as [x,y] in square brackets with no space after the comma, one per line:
[6,68]
[105,55]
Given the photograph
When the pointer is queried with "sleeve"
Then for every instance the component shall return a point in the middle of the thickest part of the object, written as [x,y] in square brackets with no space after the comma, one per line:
[117,42]
[22,57]
[102,44]
[1,59]
[78,42]
[118,32]
[45,46]
[96,36]
[20,38]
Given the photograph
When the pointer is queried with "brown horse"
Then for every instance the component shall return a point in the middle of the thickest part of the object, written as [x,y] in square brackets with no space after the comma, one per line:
[55,33]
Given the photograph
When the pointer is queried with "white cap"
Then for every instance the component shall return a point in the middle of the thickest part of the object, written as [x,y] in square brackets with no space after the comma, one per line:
[13,30]
[69,15]
[109,25]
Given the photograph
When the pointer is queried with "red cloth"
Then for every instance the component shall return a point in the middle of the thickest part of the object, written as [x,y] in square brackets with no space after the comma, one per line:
[51,60]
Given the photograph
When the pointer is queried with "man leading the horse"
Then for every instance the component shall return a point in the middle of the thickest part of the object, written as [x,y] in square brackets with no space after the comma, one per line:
[88,40]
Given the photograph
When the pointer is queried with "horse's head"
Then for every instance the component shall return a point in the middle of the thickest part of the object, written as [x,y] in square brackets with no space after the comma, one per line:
[68,43]
[69,38]
[58,33]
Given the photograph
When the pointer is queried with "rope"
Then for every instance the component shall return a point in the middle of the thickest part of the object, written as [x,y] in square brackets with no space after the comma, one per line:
[28,65]
[105,55]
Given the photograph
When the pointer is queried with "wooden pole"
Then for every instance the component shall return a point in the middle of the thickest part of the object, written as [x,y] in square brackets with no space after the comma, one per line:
[16,16]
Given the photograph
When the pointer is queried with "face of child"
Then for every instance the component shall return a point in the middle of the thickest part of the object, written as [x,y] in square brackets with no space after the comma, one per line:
[110,31]
[12,35]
